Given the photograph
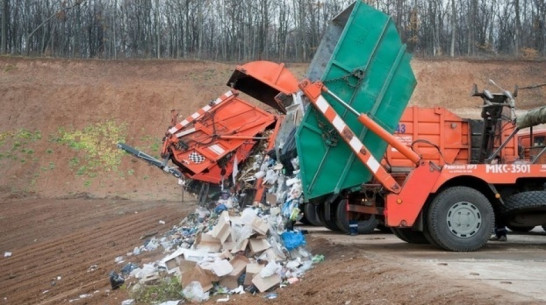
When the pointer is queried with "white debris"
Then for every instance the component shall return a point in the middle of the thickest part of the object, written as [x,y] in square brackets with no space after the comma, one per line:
[128,302]
[119,260]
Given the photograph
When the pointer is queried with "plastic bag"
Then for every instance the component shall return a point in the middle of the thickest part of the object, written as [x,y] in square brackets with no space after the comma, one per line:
[293,239]
[270,269]
[194,292]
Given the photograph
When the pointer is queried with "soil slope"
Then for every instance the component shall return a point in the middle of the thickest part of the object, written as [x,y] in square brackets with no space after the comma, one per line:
[61,119]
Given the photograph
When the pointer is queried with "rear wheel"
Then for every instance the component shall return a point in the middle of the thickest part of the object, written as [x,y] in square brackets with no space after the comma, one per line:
[460,219]
[525,209]
[329,221]
[366,223]
[310,212]
[410,236]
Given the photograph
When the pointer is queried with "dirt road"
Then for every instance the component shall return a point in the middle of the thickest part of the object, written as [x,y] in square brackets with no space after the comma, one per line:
[63,250]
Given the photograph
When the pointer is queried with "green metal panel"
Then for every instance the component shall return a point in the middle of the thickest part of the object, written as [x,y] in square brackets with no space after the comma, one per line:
[362,60]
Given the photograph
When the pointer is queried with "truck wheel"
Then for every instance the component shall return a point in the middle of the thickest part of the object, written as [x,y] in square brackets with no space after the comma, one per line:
[310,212]
[366,223]
[525,209]
[520,229]
[410,236]
[331,222]
[460,219]
[384,229]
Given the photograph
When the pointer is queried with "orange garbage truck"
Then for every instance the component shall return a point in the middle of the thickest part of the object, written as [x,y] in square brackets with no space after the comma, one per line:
[425,173]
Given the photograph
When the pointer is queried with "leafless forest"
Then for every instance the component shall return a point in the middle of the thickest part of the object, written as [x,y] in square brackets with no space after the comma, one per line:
[238,30]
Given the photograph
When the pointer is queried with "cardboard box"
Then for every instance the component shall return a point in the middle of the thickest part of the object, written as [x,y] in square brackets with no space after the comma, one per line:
[271,199]
[239,263]
[185,266]
[251,270]
[199,275]
[222,267]
[258,245]
[270,255]
[229,282]
[207,268]
[260,226]
[264,284]
[183,259]
[171,264]
[207,243]
[222,230]
[240,247]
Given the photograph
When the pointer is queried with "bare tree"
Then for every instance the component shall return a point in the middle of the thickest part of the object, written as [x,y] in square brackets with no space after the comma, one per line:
[453,28]
[4,34]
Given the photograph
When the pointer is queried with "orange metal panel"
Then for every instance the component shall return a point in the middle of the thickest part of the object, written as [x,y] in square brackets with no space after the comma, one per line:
[491,173]
[436,125]
[206,146]
[401,210]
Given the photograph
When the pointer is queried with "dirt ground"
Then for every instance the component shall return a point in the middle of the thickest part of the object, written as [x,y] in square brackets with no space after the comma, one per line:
[56,243]
[68,208]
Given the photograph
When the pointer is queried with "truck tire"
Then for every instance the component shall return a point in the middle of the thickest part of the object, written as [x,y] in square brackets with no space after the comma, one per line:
[328,222]
[365,226]
[384,229]
[520,229]
[460,219]
[525,209]
[410,236]
[310,212]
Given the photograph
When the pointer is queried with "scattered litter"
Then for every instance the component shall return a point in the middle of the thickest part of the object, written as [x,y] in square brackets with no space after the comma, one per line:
[292,239]
[228,249]
[238,290]
[223,300]
[127,269]
[148,235]
[119,260]
[506,282]
[318,258]
[195,293]
[7,254]
[128,302]
[293,280]
[92,268]
[170,302]
[271,296]
[474,273]
[161,222]
[116,280]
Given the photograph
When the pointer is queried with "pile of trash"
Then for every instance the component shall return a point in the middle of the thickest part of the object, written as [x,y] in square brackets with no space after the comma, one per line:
[227,249]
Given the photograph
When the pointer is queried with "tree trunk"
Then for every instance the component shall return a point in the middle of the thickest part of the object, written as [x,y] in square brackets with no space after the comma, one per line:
[114,21]
[4,26]
[157,29]
[517,29]
[453,28]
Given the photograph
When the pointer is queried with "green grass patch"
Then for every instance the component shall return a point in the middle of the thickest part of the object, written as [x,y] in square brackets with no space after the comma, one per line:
[96,146]
[167,289]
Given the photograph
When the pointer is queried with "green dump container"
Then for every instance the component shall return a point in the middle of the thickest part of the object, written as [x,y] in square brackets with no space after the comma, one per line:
[362,60]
